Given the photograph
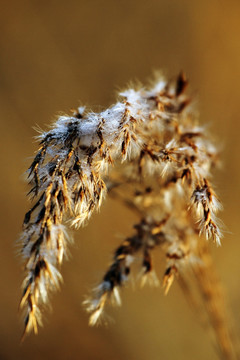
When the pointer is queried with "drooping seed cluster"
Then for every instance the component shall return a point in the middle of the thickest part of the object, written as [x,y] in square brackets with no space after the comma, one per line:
[162,162]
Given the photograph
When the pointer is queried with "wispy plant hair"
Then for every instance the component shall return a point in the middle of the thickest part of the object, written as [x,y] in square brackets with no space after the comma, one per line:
[148,151]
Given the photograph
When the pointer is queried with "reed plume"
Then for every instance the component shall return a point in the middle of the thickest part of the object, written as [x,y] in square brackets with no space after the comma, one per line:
[162,169]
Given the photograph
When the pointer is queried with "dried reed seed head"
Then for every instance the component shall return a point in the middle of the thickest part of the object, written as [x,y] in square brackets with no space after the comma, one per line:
[162,164]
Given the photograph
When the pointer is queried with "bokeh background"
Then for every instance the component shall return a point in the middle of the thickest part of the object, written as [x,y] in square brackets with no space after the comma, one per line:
[56,55]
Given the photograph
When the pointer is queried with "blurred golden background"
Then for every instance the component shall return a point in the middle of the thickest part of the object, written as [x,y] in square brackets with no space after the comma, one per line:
[56,55]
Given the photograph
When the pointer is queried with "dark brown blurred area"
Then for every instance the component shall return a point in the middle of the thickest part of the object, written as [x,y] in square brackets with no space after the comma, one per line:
[56,55]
